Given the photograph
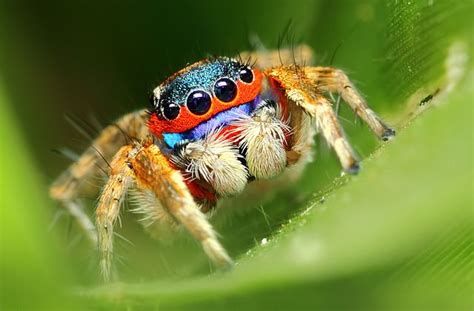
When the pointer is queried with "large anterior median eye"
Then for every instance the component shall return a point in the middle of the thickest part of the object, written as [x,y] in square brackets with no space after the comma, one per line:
[199,102]
[225,89]
[169,111]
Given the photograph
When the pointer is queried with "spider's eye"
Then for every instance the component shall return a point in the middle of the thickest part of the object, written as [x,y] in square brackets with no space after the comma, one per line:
[169,111]
[246,74]
[199,102]
[225,89]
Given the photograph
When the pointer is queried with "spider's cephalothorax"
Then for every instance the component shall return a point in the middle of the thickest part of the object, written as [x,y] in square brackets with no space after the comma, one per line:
[214,127]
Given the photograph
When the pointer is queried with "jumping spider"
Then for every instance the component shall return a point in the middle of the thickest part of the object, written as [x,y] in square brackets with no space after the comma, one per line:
[214,126]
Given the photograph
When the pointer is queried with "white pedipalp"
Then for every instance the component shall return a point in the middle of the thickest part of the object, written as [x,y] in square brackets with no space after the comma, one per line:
[215,160]
[263,137]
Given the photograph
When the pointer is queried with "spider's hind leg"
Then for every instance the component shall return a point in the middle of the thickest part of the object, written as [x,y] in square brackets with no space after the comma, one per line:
[68,186]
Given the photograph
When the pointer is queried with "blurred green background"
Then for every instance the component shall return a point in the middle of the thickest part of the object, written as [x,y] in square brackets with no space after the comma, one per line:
[398,236]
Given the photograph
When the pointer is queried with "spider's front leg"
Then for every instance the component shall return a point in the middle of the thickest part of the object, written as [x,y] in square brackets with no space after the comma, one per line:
[302,88]
[145,167]
[68,186]
[335,80]
[108,209]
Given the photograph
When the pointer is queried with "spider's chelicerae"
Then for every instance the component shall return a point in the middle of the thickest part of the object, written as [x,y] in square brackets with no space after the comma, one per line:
[214,127]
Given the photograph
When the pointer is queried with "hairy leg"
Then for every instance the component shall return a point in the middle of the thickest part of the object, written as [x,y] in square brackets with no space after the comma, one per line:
[108,209]
[143,166]
[69,184]
[329,126]
[153,172]
[304,93]
[335,80]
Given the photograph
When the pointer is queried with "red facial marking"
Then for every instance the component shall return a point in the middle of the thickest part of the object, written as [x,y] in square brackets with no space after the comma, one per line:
[186,120]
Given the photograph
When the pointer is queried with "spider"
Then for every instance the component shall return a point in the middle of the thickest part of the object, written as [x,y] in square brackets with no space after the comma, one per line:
[213,128]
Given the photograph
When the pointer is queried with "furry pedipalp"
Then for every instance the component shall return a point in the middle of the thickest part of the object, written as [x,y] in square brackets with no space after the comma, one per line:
[216,160]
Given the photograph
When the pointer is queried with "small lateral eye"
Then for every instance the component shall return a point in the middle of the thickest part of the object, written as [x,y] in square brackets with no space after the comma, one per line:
[246,74]
[169,111]
[199,102]
[225,89]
